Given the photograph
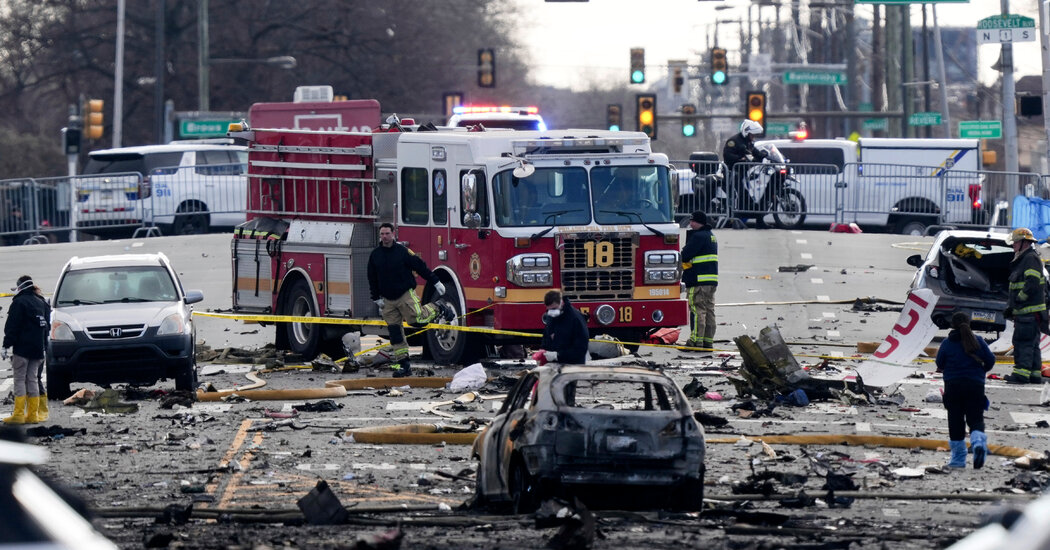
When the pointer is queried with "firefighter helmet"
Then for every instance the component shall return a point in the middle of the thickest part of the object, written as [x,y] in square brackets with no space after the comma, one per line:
[1020,234]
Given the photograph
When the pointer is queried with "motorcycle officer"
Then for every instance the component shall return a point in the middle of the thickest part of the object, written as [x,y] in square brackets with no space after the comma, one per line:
[740,147]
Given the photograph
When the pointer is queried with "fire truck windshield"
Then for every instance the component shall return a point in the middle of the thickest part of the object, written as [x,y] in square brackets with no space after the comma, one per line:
[563,196]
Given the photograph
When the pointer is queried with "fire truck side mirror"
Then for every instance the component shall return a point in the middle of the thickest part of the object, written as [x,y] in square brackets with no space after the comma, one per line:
[674,186]
[469,187]
[471,220]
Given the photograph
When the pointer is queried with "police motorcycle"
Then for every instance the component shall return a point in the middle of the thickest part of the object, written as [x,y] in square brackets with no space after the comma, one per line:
[767,188]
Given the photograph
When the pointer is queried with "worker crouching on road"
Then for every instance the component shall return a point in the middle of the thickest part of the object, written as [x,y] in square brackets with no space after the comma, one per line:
[392,270]
[1027,307]
[25,332]
[964,358]
[700,265]
[565,335]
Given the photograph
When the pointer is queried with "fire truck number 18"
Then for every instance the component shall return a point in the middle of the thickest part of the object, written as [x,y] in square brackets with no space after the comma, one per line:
[600,253]
[626,313]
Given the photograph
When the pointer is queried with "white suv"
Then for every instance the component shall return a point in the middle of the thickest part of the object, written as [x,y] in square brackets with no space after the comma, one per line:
[182,187]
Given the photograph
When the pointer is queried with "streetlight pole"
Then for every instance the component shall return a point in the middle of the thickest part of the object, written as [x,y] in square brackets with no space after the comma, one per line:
[202,56]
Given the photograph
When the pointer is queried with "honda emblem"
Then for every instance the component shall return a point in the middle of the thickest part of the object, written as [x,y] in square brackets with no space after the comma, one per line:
[116,332]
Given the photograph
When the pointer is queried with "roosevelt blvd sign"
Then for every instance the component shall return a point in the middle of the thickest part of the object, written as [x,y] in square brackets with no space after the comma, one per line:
[999,29]
[981,129]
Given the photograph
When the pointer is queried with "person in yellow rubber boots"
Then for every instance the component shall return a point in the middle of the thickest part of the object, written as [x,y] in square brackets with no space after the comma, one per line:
[700,275]
[25,332]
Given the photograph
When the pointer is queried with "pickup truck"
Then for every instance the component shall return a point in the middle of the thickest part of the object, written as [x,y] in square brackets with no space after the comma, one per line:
[900,185]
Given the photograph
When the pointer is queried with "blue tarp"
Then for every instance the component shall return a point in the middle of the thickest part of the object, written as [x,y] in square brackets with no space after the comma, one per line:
[1033,213]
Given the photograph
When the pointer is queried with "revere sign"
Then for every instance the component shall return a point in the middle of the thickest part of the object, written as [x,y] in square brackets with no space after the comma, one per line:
[924,119]
[999,29]
[981,129]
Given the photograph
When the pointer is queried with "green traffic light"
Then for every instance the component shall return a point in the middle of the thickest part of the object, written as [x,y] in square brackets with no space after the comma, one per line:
[718,77]
[638,76]
[614,127]
[688,130]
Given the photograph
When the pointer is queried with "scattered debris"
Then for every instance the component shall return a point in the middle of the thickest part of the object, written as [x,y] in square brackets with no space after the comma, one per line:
[794,268]
[321,507]
[469,378]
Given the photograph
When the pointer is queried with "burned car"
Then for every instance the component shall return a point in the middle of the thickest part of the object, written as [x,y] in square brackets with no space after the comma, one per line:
[609,435]
[969,271]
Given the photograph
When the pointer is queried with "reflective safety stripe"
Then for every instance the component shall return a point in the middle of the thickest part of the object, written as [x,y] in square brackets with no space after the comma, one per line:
[1015,286]
[707,278]
[1033,273]
[705,258]
[1030,309]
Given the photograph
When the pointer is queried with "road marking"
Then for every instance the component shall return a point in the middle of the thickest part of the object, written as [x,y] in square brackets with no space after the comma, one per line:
[828,315]
[834,334]
[800,241]
[806,256]
[6,385]
[316,467]
[137,244]
[861,427]
[817,281]
[1028,418]
[823,298]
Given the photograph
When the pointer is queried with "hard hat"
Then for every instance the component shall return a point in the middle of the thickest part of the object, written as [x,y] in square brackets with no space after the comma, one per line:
[750,128]
[1020,234]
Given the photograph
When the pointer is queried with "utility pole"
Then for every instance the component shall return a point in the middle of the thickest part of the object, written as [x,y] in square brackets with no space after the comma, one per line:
[908,68]
[947,115]
[159,68]
[1044,40]
[118,79]
[1009,118]
[878,98]
[202,56]
[894,69]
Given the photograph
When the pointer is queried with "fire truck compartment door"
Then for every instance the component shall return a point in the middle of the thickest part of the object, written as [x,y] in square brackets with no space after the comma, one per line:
[327,233]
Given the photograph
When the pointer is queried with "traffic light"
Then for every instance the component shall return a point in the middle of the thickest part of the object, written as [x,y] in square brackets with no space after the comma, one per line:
[755,107]
[688,121]
[677,80]
[647,114]
[719,67]
[451,100]
[93,119]
[486,68]
[614,117]
[637,65]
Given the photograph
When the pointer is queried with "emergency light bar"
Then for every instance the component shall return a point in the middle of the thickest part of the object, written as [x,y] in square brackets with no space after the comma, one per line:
[472,109]
[566,145]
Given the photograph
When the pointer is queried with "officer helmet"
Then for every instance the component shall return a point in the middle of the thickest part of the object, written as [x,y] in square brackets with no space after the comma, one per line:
[1020,234]
[750,128]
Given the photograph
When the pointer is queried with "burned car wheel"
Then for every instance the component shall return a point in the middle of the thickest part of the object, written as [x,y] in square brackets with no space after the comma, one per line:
[524,491]
[689,495]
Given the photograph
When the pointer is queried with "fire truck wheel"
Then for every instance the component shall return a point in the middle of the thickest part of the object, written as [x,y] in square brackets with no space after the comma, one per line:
[303,338]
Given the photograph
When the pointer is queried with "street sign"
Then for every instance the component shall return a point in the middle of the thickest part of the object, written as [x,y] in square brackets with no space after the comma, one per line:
[778,128]
[820,78]
[924,119]
[999,29]
[981,129]
[876,124]
[204,128]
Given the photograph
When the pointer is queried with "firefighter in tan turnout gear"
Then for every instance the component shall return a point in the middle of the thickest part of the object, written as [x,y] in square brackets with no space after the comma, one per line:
[1027,307]
[392,270]
[700,263]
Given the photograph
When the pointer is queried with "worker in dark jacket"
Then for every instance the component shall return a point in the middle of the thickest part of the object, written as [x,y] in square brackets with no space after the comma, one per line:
[1027,307]
[964,358]
[25,332]
[700,275]
[565,337]
[740,147]
[392,270]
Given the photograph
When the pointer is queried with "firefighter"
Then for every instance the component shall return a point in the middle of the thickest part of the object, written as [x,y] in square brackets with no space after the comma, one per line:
[392,270]
[700,274]
[26,333]
[565,335]
[1027,307]
[740,147]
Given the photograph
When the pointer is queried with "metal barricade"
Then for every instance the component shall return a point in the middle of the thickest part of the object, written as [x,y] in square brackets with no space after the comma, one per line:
[701,188]
[34,211]
[753,187]
[188,200]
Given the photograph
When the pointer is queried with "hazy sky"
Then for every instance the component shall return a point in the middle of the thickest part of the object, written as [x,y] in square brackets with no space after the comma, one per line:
[576,44]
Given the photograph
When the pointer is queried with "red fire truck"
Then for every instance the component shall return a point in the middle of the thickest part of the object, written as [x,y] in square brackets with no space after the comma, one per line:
[500,216]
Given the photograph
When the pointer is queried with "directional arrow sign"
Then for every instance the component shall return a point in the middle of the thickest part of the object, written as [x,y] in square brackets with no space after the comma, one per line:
[981,129]
[819,78]
[1005,28]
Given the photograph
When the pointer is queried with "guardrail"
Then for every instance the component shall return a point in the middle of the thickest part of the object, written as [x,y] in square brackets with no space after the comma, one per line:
[902,198]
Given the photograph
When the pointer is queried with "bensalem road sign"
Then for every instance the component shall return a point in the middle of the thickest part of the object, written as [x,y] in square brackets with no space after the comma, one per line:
[981,129]
[999,29]
[814,77]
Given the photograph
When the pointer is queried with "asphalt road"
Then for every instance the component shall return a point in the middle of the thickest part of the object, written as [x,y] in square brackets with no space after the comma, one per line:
[236,457]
